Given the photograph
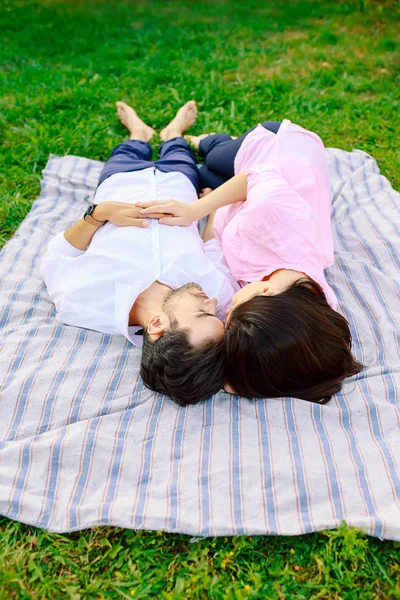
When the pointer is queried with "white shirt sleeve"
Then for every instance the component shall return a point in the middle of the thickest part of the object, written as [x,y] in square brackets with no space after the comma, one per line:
[58,246]
[57,252]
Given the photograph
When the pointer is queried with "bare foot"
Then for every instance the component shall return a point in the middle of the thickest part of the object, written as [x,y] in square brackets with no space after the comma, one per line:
[185,117]
[137,128]
[196,139]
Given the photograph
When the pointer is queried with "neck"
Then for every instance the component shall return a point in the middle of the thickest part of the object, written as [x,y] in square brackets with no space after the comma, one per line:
[147,304]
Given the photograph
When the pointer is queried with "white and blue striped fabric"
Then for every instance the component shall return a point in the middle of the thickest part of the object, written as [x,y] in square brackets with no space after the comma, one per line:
[83,443]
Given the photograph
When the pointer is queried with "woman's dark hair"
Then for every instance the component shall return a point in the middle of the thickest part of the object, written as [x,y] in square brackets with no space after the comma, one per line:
[291,344]
[171,366]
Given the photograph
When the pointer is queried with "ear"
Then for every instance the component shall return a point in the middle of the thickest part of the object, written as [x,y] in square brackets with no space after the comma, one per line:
[267,290]
[229,389]
[157,325]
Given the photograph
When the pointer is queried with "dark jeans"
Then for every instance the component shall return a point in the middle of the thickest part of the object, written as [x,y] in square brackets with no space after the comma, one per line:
[219,153]
[135,155]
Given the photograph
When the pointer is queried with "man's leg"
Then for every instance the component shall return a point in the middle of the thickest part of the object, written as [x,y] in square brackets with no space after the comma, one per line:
[135,154]
[175,153]
[219,153]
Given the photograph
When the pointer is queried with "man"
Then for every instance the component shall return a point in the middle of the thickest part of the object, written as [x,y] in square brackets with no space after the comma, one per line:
[118,273]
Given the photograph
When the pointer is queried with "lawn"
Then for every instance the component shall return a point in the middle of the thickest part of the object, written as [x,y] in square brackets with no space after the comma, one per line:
[329,66]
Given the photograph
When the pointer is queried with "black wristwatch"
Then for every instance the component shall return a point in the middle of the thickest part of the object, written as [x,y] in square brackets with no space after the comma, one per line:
[89,218]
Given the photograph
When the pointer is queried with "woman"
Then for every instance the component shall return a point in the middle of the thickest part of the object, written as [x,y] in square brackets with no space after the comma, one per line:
[283,335]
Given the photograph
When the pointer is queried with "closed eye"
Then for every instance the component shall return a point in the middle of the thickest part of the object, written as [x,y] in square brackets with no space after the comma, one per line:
[205,314]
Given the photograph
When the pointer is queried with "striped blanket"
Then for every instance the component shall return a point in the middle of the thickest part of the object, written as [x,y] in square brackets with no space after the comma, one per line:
[83,443]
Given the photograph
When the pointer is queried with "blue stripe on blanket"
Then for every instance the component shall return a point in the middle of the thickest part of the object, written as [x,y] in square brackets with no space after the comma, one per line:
[83,443]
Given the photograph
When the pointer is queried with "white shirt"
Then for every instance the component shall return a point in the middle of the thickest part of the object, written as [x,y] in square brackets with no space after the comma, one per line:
[97,288]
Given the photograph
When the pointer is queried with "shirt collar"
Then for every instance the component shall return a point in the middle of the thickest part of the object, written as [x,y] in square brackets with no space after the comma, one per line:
[125,296]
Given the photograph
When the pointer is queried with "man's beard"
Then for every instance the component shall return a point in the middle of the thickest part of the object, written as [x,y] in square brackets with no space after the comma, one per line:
[169,300]
[173,294]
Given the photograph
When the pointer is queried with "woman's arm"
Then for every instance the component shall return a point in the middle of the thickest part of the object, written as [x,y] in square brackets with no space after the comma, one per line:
[178,213]
[234,190]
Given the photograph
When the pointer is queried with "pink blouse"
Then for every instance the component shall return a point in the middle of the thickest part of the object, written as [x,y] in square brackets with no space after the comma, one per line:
[285,221]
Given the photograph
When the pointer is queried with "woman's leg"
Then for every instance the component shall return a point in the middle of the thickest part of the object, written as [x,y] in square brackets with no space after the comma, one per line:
[135,154]
[219,153]
[210,179]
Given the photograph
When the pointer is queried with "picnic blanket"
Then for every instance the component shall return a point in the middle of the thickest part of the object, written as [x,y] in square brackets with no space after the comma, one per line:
[84,443]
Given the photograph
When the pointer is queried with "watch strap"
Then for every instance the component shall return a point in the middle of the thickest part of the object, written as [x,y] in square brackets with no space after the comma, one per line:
[88,216]
[93,221]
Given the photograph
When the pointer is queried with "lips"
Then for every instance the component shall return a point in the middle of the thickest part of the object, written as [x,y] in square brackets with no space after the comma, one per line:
[201,294]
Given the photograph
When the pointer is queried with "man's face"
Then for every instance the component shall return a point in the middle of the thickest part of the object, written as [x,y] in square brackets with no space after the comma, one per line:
[190,308]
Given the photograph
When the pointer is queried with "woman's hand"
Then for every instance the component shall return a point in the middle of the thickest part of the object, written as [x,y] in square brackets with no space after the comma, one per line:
[122,214]
[177,213]
[173,212]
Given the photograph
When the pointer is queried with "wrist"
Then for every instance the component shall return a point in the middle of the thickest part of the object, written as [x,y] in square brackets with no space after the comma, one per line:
[197,210]
[100,213]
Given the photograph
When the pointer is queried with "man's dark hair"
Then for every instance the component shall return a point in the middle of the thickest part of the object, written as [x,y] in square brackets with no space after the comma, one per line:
[291,344]
[171,366]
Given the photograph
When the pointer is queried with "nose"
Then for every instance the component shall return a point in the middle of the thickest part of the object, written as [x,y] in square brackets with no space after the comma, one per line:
[211,304]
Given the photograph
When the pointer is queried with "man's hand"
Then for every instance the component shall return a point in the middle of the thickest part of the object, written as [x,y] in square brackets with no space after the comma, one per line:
[169,212]
[122,214]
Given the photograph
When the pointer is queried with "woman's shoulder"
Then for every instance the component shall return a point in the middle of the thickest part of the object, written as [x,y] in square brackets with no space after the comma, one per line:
[256,147]
[262,145]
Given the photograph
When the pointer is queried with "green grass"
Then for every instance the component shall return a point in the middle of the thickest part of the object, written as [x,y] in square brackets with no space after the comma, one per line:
[115,563]
[330,66]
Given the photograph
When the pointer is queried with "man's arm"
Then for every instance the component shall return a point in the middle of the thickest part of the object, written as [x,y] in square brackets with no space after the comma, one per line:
[122,214]
[81,233]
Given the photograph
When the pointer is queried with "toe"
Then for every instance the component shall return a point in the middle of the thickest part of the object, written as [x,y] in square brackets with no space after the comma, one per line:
[191,107]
